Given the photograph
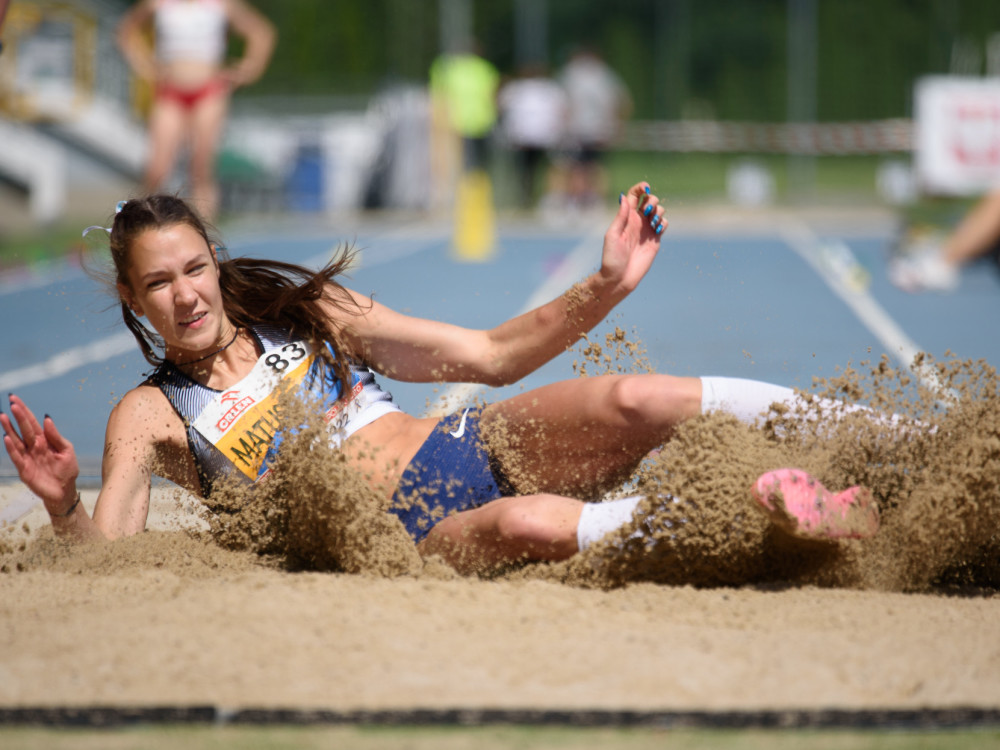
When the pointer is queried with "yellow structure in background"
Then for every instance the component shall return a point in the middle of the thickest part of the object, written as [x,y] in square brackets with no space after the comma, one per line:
[475,219]
[463,89]
[47,70]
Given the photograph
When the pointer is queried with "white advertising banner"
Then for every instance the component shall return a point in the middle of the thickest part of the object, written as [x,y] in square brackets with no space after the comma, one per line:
[957,137]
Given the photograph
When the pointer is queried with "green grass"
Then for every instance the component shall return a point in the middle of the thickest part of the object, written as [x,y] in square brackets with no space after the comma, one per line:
[699,177]
[941,213]
[488,738]
[41,246]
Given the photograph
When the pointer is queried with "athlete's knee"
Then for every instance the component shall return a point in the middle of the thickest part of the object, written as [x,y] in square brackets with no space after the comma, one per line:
[537,522]
[520,523]
[652,399]
[628,398]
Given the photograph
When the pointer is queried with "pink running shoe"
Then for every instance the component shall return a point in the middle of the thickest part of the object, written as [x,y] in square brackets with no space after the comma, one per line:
[803,507]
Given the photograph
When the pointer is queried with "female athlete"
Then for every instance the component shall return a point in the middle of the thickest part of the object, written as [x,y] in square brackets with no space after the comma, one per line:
[228,335]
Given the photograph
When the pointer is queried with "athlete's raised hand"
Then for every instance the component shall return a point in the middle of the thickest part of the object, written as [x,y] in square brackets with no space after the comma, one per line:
[632,241]
[44,459]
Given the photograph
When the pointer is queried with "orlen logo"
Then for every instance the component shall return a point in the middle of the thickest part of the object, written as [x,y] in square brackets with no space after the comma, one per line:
[241,405]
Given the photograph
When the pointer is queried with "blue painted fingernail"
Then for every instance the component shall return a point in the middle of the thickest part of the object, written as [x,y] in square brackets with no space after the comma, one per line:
[647,210]
[621,197]
[646,189]
[659,229]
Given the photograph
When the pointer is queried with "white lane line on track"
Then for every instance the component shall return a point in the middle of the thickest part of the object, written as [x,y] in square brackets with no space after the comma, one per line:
[808,246]
[575,265]
[67,361]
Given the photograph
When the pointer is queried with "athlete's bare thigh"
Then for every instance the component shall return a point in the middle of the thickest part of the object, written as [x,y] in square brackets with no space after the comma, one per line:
[580,437]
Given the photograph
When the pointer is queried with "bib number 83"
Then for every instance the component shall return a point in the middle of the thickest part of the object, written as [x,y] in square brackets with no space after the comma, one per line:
[292,352]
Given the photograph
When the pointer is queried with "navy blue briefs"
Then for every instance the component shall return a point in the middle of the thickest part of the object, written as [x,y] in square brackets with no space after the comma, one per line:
[451,472]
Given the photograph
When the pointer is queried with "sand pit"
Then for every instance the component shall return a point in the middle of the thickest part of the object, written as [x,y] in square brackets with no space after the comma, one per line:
[315,600]
[169,620]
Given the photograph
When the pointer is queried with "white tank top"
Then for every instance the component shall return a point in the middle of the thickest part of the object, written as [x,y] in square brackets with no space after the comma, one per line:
[192,30]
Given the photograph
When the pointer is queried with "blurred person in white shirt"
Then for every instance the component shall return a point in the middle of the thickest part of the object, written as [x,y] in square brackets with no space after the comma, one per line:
[533,110]
[599,103]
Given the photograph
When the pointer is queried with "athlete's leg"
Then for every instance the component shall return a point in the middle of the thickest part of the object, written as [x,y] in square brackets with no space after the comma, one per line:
[582,436]
[750,400]
[747,400]
[552,527]
[507,530]
[208,118]
[167,125]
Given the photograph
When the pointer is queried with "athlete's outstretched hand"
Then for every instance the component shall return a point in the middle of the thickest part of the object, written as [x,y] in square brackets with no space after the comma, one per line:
[44,459]
[632,241]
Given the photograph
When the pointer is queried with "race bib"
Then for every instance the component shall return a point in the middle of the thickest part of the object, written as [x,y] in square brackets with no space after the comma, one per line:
[244,422]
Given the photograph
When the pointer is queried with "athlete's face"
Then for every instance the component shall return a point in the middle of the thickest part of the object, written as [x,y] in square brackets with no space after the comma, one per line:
[174,283]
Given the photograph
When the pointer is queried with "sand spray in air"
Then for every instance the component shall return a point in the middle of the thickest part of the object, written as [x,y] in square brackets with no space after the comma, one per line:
[934,469]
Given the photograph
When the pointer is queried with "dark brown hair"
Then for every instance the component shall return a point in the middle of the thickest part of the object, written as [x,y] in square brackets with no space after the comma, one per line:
[253,291]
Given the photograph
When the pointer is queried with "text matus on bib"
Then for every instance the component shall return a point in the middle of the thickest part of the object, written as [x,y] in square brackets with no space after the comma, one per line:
[244,422]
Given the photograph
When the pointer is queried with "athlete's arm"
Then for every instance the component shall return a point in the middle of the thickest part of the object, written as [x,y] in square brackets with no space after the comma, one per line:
[260,36]
[46,463]
[141,429]
[418,350]
[130,450]
[134,48]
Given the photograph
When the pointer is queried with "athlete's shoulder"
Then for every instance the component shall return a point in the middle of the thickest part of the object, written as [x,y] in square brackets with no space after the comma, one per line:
[143,429]
[144,410]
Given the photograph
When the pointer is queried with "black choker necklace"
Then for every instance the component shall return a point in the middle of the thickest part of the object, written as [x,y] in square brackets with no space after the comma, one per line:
[210,354]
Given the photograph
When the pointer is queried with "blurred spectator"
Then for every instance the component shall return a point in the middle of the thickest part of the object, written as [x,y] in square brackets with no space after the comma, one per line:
[598,105]
[533,110]
[936,266]
[192,81]
[3,15]
[463,88]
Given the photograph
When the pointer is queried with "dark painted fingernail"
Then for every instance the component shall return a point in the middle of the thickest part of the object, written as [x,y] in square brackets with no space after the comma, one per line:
[46,417]
[621,197]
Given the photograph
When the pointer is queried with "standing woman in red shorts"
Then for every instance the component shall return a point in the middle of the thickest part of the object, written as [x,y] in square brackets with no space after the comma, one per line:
[192,80]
